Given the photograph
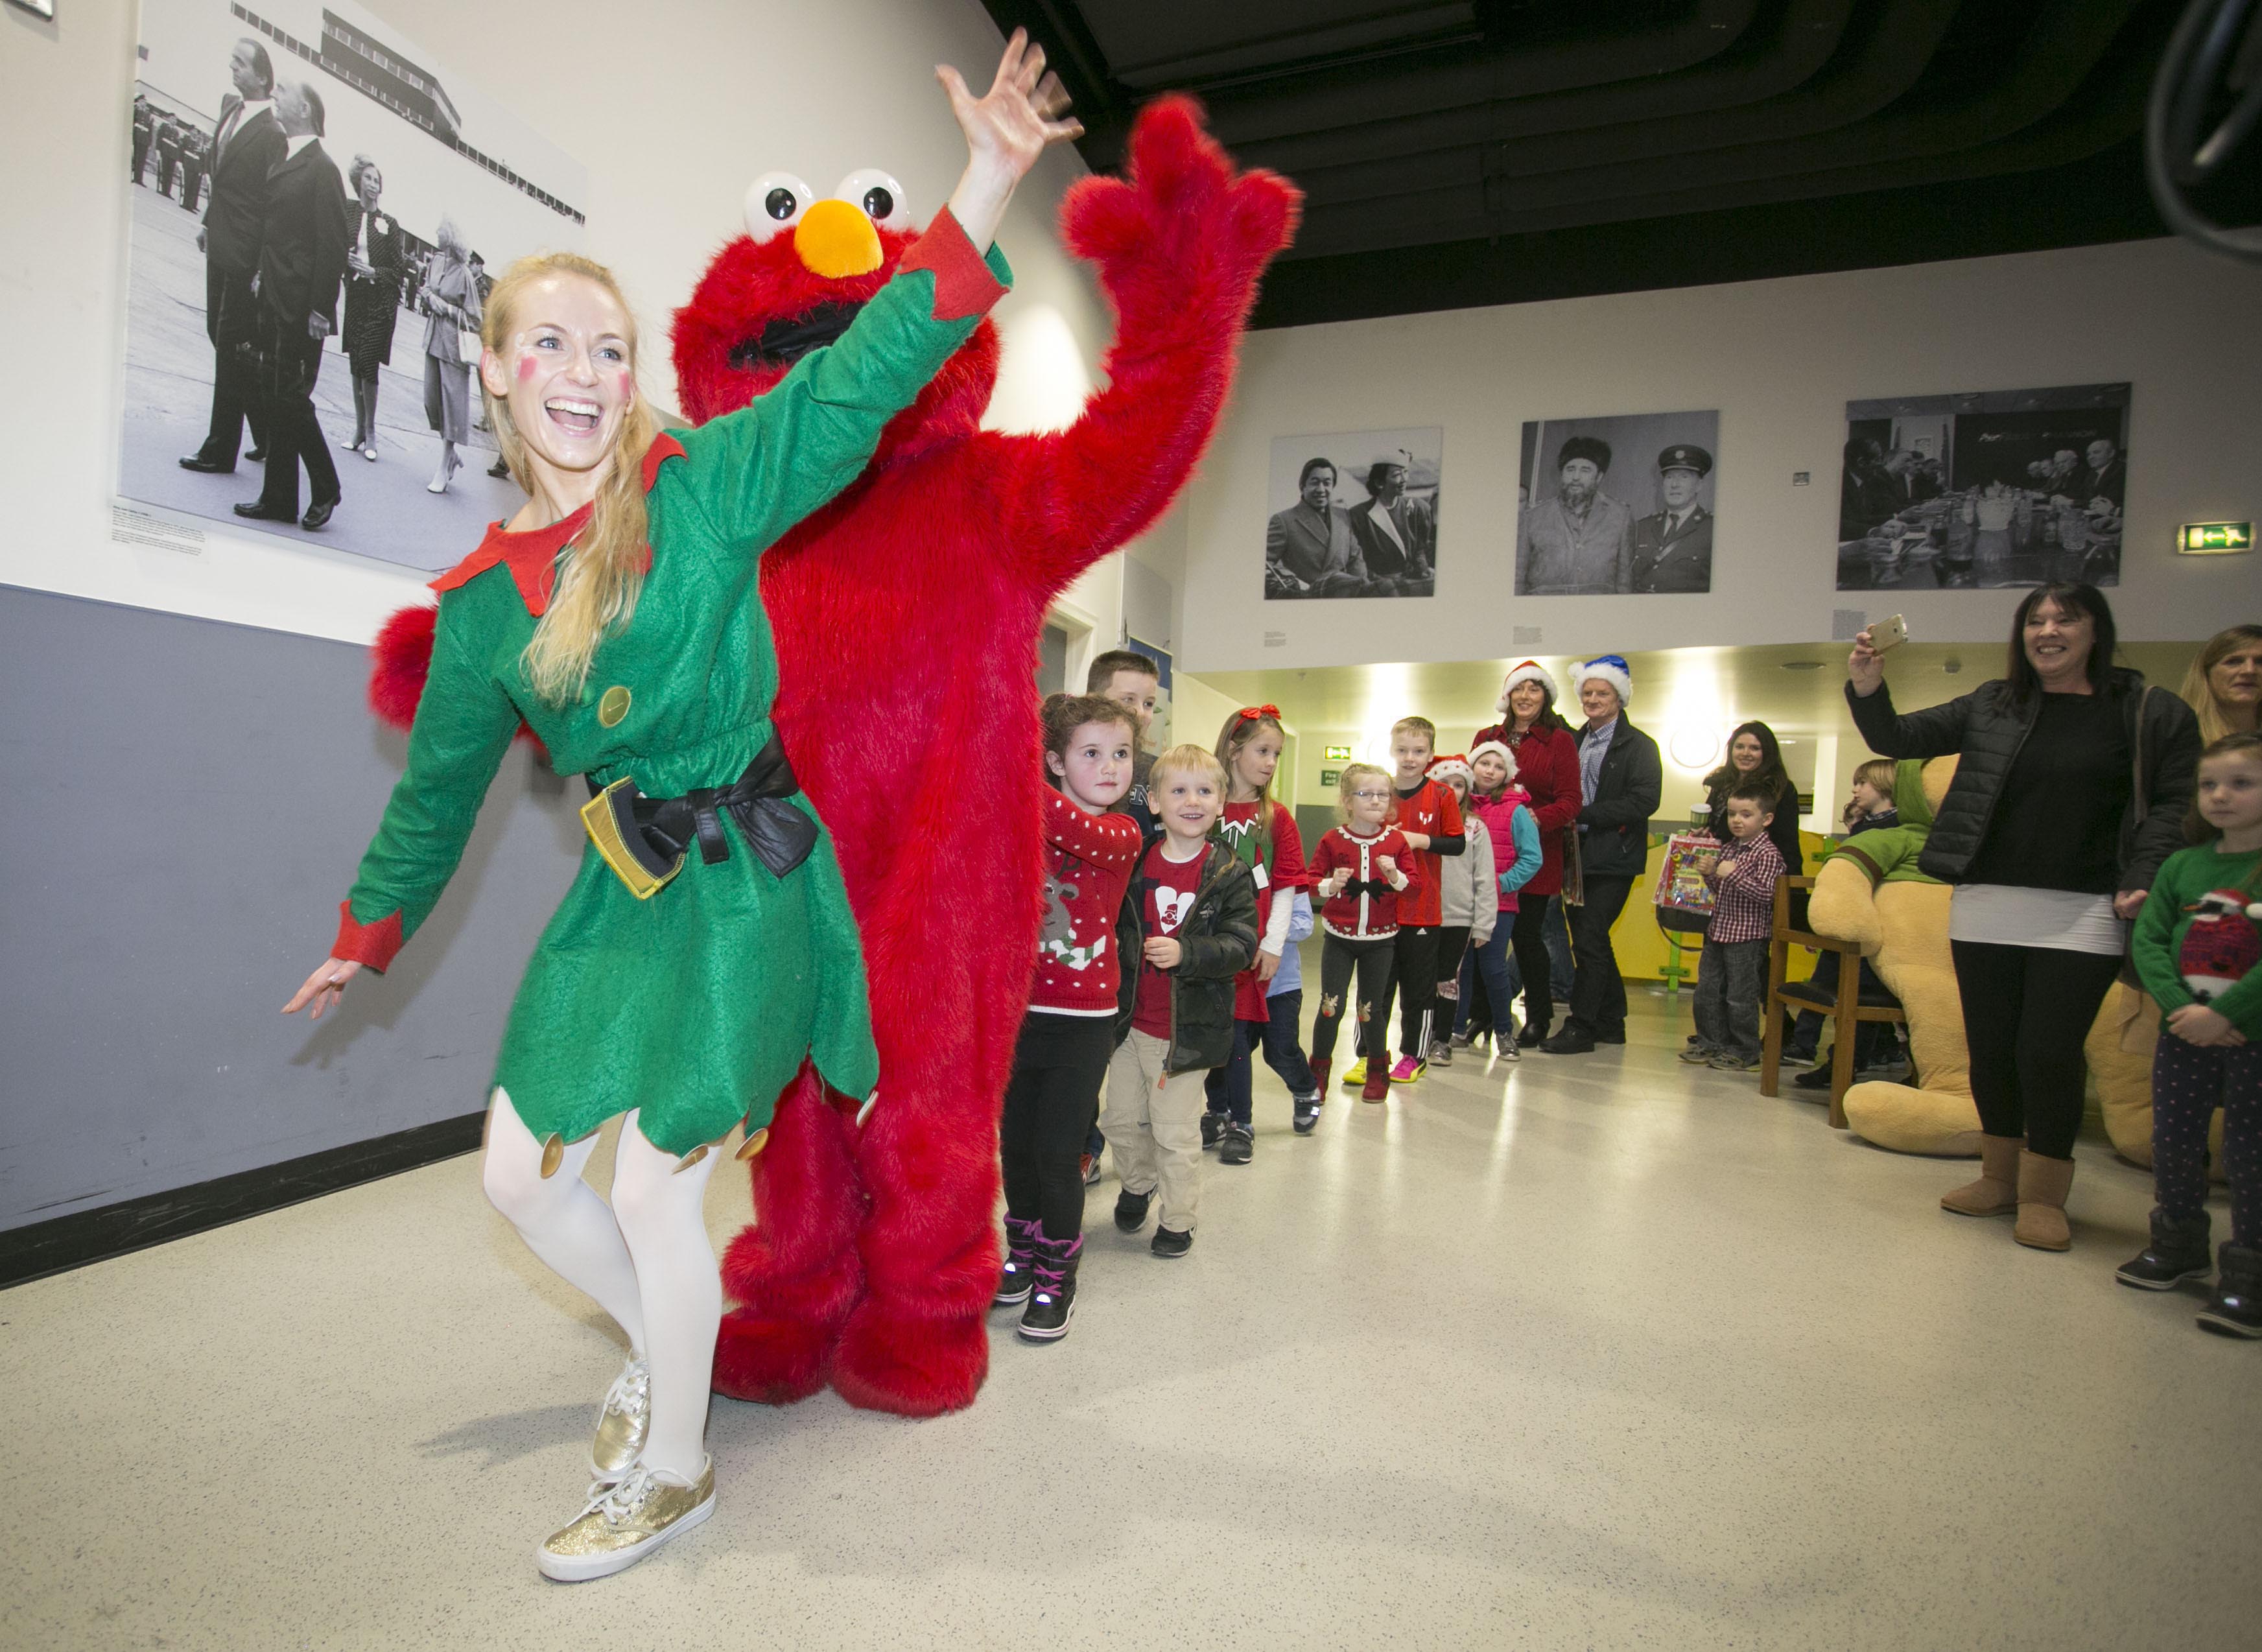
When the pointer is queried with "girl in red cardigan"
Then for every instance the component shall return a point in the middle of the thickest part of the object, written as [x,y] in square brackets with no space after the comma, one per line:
[1263,836]
[1547,767]
[1061,1060]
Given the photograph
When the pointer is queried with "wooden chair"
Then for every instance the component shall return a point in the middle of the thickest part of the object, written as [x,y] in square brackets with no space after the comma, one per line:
[1847,1008]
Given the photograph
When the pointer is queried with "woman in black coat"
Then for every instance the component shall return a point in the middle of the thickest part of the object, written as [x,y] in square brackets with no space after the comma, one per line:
[373,266]
[2071,788]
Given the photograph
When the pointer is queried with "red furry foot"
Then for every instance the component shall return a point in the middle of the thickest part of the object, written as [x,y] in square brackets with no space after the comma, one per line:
[910,1364]
[796,1274]
[771,1361]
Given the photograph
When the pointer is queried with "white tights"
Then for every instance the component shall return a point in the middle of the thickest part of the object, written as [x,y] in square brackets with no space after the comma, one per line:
[645,1259]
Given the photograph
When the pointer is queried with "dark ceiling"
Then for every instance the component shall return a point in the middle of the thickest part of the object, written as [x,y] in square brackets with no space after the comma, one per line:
[1464,152]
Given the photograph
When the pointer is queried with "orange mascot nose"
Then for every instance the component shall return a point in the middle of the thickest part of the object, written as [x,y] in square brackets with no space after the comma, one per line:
[835,239]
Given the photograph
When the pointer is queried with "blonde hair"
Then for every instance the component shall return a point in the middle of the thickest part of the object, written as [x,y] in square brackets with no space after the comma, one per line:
[2199,693]
[1423,724]
[1239,729]
[1349,779]
[1187,760]
[600,571]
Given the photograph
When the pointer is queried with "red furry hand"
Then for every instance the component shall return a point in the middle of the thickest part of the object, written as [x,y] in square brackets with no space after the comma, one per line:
[1181,208]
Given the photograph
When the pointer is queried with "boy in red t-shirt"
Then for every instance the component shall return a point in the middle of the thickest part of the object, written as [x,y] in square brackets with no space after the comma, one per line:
[1196,905]
[1430,816]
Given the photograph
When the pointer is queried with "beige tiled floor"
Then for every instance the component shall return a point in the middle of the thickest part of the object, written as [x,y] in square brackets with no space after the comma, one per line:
[1589,1353]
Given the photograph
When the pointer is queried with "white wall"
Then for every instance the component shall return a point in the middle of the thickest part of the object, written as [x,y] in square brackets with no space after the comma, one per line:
[714,94]
[1780,359]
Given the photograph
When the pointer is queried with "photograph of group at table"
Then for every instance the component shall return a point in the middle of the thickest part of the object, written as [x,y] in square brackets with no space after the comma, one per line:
[1986,490]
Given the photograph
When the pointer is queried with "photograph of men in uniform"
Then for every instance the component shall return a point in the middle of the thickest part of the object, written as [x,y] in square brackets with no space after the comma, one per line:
[1673,547]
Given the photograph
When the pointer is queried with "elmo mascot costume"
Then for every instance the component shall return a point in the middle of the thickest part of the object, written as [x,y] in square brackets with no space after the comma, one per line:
[906,616]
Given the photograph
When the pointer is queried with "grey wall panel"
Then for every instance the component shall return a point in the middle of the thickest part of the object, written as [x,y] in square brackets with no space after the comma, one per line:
[182,804]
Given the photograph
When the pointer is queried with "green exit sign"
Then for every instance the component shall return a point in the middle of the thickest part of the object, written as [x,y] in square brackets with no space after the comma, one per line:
[1339,754]
[1329,776]
[2214,538]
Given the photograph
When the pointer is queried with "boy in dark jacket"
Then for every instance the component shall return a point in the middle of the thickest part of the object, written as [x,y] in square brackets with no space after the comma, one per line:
[1192,911]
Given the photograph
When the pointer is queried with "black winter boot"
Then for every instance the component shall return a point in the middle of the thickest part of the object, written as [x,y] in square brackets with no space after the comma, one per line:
[1020,1251]
[2178,1252]
[2237,1308]
[1053,1297]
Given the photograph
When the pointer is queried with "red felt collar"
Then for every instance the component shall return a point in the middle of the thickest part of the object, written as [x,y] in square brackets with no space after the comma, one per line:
[532,556]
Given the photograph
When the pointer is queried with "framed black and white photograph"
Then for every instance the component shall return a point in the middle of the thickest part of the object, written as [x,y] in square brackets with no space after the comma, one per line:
[1617,507]
[1984,490]
[1353,514]
[319,206]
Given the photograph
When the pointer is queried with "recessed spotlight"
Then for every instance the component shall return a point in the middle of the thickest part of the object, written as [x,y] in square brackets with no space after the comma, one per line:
[1802,665]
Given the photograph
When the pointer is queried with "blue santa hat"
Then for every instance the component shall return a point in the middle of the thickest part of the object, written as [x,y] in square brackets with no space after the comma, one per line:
[1612,669]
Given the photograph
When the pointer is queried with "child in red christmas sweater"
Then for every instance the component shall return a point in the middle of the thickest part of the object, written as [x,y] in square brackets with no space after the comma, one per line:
[1429,817]
[1359,877]
[1070,1032]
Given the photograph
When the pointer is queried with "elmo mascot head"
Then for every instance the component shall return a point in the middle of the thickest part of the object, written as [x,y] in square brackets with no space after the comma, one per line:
[796,280]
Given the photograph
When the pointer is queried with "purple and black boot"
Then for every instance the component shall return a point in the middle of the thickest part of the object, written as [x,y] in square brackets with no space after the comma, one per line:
[1052,1298]
[1021,1241]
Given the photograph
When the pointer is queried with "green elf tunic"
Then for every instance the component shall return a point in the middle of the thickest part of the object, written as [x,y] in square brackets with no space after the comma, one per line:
[697,1007]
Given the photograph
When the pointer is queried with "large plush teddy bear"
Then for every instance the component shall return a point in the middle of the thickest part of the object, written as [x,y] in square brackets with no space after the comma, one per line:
[1870,890]
[906,616]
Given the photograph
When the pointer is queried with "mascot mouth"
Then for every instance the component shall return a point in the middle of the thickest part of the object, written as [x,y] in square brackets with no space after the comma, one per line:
[785,341]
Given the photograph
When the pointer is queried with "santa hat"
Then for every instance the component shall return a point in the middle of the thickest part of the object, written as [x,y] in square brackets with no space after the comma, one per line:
[1530,671]
[1498,749]
[1612,669]
[1451,764]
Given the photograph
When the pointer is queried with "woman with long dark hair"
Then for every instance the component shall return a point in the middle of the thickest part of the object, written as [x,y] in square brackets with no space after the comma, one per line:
[1547,767]
[1755,757]
[2070,791]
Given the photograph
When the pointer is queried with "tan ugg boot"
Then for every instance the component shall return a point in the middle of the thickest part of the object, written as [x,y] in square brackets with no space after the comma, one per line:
[1997,1190]
[2042,1187]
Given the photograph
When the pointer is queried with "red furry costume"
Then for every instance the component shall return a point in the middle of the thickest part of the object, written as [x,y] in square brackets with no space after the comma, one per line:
[906,616]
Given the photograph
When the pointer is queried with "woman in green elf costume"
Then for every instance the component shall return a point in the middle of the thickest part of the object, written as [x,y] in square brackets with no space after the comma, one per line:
[707,946]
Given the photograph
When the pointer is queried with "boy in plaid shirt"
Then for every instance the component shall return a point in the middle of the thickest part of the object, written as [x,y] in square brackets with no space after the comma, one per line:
[1733,968]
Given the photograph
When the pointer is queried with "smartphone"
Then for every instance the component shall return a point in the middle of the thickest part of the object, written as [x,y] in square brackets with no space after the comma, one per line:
[1888,633]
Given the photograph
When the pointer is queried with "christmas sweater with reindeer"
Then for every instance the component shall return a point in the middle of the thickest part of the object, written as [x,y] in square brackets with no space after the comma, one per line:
[2199,939]
[1088,862]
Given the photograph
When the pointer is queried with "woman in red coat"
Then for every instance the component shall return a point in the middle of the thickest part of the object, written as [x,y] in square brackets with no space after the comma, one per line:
[1547,767]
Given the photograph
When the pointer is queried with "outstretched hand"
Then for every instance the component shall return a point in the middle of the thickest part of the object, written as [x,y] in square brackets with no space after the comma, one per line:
[1006,130]
[326,986]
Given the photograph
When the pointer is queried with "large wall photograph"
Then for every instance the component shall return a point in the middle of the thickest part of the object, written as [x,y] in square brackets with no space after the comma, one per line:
[1354,513]
[319,206]
[1984,490]
[1617,506]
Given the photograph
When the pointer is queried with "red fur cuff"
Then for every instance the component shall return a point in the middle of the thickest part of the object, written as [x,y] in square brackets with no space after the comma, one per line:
[963,285]
[372,945]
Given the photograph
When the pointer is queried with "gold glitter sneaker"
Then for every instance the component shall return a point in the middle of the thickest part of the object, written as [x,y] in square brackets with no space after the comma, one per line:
[625,1522]
[622,1421]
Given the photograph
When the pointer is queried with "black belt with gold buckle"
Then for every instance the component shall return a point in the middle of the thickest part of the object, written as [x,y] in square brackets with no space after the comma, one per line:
[645,839]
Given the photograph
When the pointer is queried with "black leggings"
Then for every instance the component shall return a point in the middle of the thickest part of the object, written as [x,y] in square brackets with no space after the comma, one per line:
[1372,960]
[1051,1101]
[2026,1012]
[1413,976]
[1529,944]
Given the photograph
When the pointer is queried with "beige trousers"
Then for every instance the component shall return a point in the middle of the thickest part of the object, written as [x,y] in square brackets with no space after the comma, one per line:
[1153,1126]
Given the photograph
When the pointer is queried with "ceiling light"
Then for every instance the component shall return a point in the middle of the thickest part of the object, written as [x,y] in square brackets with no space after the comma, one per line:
[1802,665]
